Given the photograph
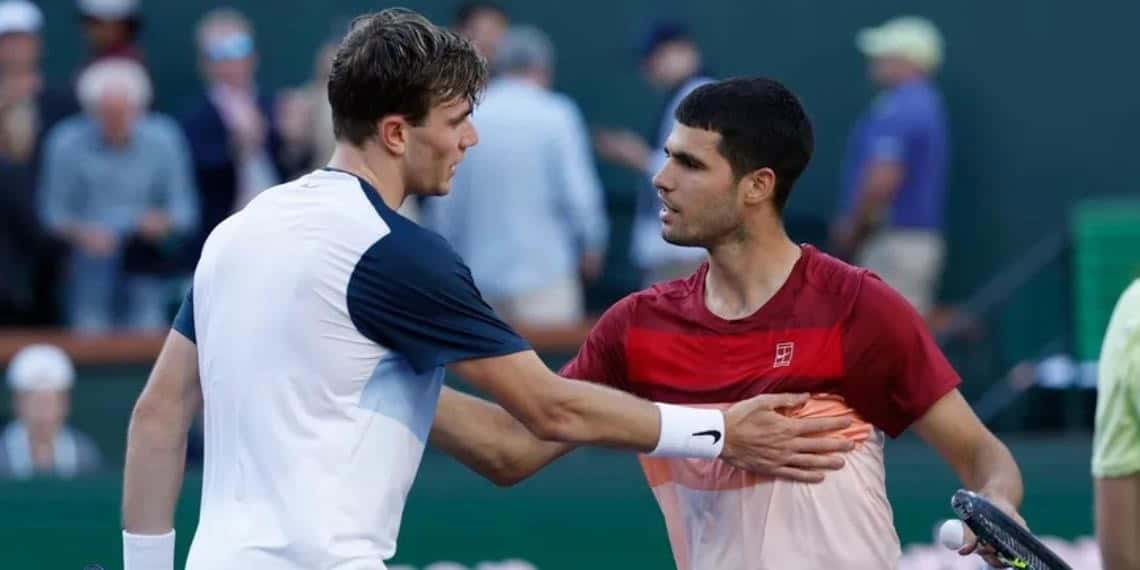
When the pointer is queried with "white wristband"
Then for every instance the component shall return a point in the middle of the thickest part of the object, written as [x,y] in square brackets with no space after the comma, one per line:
[148,551]
[689,432]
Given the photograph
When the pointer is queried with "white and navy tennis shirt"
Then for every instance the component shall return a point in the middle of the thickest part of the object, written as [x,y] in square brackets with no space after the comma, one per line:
[322,320]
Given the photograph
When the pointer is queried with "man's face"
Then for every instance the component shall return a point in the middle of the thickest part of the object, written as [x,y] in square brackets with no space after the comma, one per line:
[116,113]
[486,29]
[698,189]
[436,147]
[670,64]
[43,411]
[888,71]
[20,77]
[229,58]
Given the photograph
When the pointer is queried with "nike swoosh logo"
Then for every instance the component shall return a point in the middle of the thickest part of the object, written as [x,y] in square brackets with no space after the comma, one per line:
[712,432]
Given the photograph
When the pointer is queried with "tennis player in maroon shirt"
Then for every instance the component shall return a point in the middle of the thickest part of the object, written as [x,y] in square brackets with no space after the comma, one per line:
[763,316]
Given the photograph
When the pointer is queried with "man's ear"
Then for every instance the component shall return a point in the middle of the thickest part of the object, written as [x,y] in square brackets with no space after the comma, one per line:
[392,134]
[759,186]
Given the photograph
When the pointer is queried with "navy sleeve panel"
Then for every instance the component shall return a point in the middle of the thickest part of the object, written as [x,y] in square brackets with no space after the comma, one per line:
[413,294]
[184,320]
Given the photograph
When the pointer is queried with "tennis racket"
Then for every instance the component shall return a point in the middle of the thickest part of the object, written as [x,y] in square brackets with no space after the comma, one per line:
[1015,546]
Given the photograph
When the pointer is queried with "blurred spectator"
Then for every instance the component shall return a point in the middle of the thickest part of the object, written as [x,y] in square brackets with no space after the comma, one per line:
[27,110]
[39,442]
[306,115]
[232,127]
[116,185]
[527,212]
[670,62]
[894,171]
[112,29]
[1116,439]
[484,23]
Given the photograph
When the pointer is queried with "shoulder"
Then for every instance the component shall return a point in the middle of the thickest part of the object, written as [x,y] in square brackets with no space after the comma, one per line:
[1122,339]
[70,131]
[158,128]
[832,277]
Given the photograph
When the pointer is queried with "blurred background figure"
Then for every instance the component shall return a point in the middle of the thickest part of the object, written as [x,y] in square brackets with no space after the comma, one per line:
[484,23]
[27,110]
[527,213]
[39,442]
[117,186]
[671,63]
[305,113]
[894,169]
[232,127]
[111,28]
[1116,438]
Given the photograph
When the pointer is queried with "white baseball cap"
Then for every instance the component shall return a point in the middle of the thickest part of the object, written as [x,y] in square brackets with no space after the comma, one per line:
[109,9]
[20,17]
[41,367]
[910,37]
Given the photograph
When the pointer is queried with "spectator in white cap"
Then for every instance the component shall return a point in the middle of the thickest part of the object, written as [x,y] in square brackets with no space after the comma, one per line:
[118,187]
[112,29]
[39,442]
[27,110]
[894,169]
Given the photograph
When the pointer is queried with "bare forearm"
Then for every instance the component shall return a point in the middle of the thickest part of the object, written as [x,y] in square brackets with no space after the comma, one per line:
[488,440]
[1118,521]
[586,413]
[569,411]
[152,479]
[994,472]
[875,193]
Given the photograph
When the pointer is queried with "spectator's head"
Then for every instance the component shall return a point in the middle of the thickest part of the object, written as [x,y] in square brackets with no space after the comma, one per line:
[40,377]
[20,23]
[736,149]
[226,49]
[109,24]
[115,92]
[402,90]
[901,49]
[668,55]
[528,53]
[484,23]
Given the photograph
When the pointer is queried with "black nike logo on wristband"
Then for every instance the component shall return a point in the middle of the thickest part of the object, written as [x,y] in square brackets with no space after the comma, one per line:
[712,432]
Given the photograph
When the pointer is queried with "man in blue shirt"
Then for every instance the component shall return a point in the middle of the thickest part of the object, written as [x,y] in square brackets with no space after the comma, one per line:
[528,215]
[894,169]
[117,186]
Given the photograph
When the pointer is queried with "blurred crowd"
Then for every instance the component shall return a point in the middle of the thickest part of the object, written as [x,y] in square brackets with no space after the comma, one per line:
[107,201]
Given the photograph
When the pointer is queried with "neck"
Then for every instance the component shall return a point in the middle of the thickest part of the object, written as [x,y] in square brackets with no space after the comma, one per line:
[376,168]
[40,437]
[746,271]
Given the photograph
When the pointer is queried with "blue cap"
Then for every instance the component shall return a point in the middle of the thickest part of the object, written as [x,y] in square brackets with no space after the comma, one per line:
[657,34]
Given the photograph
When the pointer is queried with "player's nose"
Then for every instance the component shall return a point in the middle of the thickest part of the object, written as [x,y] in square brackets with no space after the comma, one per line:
[662,181]
[469,138]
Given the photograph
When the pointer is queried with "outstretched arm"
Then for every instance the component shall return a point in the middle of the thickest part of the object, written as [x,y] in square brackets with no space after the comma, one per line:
[156,454]
[488,440]
[981,461]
